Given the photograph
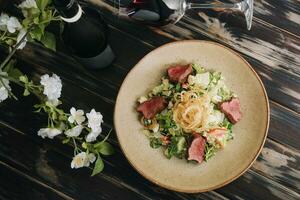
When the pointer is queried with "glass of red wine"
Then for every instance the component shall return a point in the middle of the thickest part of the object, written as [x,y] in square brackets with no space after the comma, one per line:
[164,12]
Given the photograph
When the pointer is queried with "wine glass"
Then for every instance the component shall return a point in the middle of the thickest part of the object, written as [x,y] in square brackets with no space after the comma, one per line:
[163,12]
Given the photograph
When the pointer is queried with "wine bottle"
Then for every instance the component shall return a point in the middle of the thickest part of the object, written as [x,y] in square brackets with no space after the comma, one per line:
[84,34]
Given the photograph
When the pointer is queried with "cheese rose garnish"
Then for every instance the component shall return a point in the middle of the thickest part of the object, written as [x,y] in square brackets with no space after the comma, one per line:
[191,112]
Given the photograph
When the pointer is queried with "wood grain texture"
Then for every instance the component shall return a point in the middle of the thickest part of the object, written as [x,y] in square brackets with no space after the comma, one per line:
[51,164]
[70,85]
[42,167]
[284,14]
[272,52]
[31,189]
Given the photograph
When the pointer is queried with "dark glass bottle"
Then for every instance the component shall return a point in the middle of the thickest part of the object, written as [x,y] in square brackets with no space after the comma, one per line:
[84,34]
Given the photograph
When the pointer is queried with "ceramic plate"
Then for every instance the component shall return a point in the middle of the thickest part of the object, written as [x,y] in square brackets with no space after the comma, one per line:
[226,165]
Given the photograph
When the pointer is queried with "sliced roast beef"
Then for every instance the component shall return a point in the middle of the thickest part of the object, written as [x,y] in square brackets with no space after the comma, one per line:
[179,73]
[218,133]
[196,150]
[232,110]
[152,106]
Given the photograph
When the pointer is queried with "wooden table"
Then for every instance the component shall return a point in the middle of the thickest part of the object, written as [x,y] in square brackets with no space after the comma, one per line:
[33,168]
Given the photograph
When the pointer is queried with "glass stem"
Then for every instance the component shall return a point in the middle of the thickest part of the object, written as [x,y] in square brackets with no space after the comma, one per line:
[213,5]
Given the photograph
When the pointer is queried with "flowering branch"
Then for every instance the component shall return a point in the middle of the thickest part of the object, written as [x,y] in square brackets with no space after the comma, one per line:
[37,16]
[75,127]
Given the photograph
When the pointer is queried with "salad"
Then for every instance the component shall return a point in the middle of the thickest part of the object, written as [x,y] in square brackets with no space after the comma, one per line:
[190,114]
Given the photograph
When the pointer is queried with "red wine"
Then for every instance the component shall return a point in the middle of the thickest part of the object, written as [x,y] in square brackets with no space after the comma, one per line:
[154,12]
[84,34]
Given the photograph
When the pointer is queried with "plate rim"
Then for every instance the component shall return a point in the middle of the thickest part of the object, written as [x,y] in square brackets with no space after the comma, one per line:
[238,174]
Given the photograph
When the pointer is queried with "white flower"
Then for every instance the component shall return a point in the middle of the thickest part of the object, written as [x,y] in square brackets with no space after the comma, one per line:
[28,4]
[75,131]
[3,21]
[13,25]
[49,132]
[52,86]
[92,136]
[3,94]
[76,116]
[82,160]
[3,90]
[20,36]
[94,120]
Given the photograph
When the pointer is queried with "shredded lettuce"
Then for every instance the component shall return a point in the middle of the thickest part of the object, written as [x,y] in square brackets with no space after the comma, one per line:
[226,124]
[198,68]
[225,93]
[214,79]
[158,89]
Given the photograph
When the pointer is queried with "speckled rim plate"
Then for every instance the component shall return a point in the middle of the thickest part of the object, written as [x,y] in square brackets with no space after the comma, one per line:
[229,163]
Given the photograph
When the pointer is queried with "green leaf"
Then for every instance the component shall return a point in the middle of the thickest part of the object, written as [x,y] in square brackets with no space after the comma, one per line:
[26,92]
[15,73]
[46,16]
[105,148]
[41,4]
[155,142]
[54,115]
[9,66]
[23,79]
[99,166]
[65,141]
[36,20]
[198,68]
[36,34]
[84,145]
[26,22]
[48,40]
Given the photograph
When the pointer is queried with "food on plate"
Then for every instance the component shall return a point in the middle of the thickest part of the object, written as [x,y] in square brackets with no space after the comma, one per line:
[190,114]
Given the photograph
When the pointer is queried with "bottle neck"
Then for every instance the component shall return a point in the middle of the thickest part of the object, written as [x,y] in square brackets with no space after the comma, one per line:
[69,10]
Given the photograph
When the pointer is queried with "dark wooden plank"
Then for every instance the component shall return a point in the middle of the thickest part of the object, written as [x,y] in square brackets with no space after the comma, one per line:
[279,163]
[249,187]
[271,169]
[52,166]
[273,53]
[284,14]
[12,179]
[12,117]
[95,92]
[284,126]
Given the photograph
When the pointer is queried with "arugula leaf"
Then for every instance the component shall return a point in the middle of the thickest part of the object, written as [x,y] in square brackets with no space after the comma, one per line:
[155,142]
[177,147]
[165,120]
[210,151]
[99,166]
[178,87]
